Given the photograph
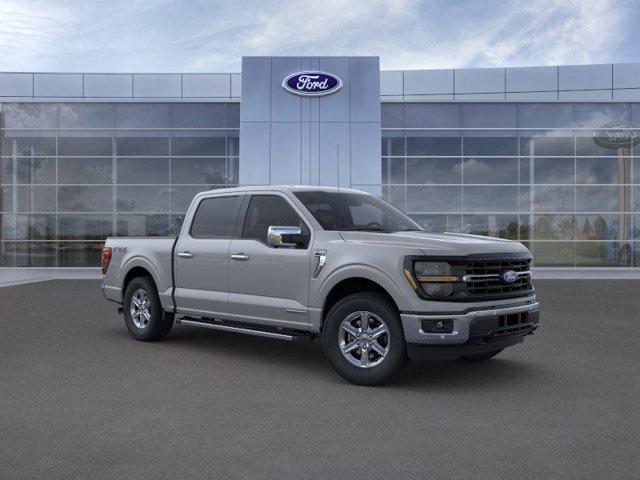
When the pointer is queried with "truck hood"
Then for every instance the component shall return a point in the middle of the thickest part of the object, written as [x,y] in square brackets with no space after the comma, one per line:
[453,244]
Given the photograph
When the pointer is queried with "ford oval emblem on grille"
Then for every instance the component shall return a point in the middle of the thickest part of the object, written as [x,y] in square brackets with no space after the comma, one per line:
[312,83]
[509,276]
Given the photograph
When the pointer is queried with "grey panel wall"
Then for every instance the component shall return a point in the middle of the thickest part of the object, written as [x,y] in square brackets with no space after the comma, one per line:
[601,83]
[626,75]
[153,85]
[214,87]
[108,85]
[66,85]
[196,85]
[331,140]
[585,77]
[532,79]
[16,84]
[480,80]
[604,82]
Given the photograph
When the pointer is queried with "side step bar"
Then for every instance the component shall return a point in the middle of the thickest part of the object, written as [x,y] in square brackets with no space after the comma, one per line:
[258,332]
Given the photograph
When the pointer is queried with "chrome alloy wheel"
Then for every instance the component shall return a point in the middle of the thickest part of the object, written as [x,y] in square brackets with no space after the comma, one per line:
[140,308]
[364,339]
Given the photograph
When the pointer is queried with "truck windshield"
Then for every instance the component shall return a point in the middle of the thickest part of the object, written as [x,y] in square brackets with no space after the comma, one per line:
[350,211]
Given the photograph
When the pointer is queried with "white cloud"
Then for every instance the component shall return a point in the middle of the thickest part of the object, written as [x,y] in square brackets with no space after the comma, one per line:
[538,32]
[29,31]
[165,35]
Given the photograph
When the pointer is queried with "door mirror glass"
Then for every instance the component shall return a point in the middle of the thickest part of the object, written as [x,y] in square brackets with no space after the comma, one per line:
[288,237]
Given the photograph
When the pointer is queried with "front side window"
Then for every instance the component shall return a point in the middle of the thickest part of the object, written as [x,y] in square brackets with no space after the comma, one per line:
[269,211]
[355,212]
[216,217]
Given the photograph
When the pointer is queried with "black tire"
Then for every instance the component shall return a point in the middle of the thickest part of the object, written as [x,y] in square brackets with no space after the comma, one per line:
[159,322]
[394,342]
[480,357]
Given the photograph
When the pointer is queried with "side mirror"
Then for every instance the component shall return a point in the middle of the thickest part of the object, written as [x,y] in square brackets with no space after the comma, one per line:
[289,237]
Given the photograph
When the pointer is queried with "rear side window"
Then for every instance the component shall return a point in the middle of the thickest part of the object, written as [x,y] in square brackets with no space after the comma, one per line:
[216,217]
[269,211]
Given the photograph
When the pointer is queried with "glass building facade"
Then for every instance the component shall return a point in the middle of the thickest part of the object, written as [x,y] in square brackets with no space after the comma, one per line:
[77,168]
[524,171]
[73,174]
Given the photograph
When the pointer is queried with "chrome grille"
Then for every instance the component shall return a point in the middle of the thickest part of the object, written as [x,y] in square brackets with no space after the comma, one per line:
[479,277]
[482,277]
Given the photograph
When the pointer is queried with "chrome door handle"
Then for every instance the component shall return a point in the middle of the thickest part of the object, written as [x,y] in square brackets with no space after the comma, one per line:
[239,256]
[185,254]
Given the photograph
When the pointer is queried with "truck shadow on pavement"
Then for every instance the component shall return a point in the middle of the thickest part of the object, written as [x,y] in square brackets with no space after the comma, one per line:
[275,357]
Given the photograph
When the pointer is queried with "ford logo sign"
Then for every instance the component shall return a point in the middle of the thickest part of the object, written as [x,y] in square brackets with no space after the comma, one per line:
[617,135]
[509,276]
[312,84]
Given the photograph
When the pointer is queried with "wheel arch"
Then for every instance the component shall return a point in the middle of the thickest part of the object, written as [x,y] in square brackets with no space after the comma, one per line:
[137,271]
[350,285]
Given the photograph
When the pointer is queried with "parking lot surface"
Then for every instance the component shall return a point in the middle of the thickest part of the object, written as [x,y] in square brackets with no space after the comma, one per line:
[80,399]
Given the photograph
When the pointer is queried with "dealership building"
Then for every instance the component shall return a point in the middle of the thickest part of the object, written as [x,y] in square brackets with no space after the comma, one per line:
[547,156]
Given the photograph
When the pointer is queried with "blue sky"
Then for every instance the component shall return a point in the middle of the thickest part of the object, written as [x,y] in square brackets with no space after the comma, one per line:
[212,36]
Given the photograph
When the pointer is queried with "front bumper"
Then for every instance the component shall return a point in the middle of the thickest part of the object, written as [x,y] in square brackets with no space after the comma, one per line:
[428,353]
[468,324]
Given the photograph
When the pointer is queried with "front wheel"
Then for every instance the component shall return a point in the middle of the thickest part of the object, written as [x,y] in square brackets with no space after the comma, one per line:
[143,314]
[363,339]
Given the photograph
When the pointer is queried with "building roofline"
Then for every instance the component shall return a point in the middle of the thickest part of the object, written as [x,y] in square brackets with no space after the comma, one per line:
[603,82]
[418,69]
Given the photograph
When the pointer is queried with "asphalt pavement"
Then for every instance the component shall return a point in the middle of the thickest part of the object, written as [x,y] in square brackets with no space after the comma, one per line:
[79,399]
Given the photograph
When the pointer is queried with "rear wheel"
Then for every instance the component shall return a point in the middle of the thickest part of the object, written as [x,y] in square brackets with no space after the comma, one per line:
[143,314]
[363,339]
[479,357]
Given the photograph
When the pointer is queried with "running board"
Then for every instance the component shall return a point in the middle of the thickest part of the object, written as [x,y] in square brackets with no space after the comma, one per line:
[291,337]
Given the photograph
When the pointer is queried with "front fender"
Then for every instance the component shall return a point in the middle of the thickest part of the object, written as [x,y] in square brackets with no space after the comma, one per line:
[368,272]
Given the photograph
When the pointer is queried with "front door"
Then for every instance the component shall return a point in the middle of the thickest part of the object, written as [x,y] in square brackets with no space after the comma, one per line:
[269,285]
[202,257]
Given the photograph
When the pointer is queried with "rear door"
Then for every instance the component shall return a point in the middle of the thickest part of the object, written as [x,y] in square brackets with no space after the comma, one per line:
[269,285]
[202,256]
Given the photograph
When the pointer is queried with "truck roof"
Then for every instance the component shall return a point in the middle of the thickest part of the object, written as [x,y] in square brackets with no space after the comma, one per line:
[281,188]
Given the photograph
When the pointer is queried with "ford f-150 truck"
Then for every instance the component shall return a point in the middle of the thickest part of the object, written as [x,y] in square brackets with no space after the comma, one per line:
[295,263]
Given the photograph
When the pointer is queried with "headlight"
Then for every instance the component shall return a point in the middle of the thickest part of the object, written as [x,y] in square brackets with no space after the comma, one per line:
[431,269]
[435,277]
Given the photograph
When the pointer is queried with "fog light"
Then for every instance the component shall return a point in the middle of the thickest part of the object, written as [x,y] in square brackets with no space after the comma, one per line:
[534,318]
[438,288]
[437,326]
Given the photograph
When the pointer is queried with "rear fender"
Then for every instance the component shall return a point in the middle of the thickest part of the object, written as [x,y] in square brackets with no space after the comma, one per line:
[164,291]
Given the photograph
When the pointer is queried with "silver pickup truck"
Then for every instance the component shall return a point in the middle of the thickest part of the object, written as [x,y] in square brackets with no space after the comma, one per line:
[294,263]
